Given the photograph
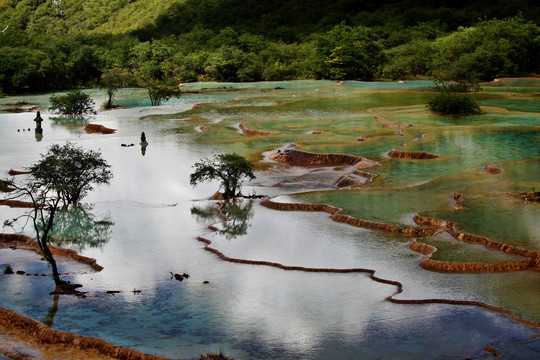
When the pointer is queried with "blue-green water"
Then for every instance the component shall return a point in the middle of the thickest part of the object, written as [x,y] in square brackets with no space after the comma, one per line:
[259,312]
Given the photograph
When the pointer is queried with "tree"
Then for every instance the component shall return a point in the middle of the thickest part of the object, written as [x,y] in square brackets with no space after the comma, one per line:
[112,80]
[452,96]
[349,52]
[159,93]
[230,169]
[47,188]
[73,103]
[73,170]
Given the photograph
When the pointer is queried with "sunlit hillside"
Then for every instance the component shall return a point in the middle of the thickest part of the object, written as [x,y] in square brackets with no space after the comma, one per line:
[67,16]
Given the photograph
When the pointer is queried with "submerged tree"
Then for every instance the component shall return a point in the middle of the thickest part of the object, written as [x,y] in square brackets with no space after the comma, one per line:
[112,80]
[51,181]
[230,169]
[452,94]
[73,103]
[159,93]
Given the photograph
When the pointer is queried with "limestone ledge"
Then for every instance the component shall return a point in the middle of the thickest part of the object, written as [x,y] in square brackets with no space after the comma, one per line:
[249,132]
[531,261]
[46,336]
[29,243]
[370,272]
[429,227]
[17,172]
[305,158]
[17,203]
[493,170]
[413,155]
[95,128]
[335,216]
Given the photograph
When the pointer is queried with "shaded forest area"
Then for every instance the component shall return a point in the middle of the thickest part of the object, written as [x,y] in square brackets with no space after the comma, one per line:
[56,44]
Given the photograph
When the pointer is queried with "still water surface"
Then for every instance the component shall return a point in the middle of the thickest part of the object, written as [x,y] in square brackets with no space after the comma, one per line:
[257,312]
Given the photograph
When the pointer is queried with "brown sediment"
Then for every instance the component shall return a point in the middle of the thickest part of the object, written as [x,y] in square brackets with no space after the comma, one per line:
[95,128]
[463,267]
[532,196]
[392,229]
[57,342]
[531,261]
[17,172]
[305,158]
[17,203]
[249,132]
[217,196]
[7,188]
[347,181]
[435,223]
[356,178]
[29,243]
[533,256]
[492,351]
[457,201]
[492,169]
[415,155]
[371,274]
[436,226]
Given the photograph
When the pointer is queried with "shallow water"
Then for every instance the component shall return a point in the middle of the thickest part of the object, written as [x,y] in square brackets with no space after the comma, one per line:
[250,311]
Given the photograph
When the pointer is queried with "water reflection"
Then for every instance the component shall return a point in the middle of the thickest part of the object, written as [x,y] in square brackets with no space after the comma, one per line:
[49,318]
[259,312]
[78,227]
[234,215]
[69,120]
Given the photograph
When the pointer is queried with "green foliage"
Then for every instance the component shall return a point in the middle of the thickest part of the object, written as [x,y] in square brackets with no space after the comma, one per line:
[79,228]
[64,174]
[159,93]
[71,171]
[73,103]
[452,96]
[493,48]
[112,80]
[65,45]
[349,53]
[230,169]
[454,104]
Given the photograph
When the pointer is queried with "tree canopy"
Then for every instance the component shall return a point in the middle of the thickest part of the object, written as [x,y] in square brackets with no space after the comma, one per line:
[71,170]
[73,103]
[230,169]
[65,174]
[67,45]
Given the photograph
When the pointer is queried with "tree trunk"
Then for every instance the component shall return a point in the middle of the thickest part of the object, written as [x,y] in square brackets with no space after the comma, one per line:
[50,259]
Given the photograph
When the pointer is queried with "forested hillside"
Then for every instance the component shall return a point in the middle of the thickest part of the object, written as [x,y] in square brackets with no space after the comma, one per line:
[61,44]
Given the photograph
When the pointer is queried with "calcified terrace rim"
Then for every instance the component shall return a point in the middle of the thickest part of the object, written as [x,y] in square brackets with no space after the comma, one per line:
[27,243]
[46,336]
[371,225]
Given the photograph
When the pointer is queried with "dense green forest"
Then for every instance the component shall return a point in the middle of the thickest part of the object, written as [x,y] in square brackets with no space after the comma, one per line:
[63,44]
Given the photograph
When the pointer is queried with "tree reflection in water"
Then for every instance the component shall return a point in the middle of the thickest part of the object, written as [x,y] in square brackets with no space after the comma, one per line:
[49,319]
[78,228]
[233,213]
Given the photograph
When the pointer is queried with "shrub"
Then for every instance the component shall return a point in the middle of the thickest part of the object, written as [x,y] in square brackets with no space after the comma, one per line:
[454,104]
[73,103]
